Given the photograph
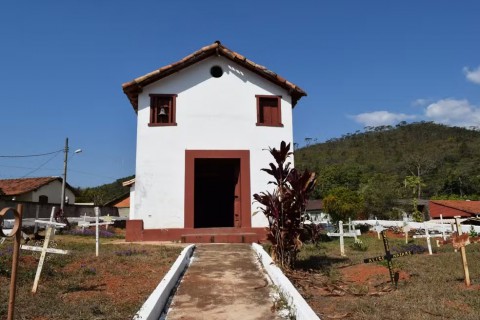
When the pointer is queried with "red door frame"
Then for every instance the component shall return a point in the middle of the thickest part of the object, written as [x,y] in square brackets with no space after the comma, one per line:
[244,156]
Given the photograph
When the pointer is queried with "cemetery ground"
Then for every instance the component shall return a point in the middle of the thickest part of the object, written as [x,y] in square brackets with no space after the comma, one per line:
[115,284]
[430,286]
[82,286]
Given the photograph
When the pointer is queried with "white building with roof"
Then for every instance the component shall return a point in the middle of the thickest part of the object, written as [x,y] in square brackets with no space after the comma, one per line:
[204,127]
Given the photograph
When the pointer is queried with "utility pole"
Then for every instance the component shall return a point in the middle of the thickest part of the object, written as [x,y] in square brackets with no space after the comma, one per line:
[62,200]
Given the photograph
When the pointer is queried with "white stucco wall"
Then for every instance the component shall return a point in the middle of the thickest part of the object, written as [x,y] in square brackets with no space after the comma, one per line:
[53,191]
[132,202]
[212,114]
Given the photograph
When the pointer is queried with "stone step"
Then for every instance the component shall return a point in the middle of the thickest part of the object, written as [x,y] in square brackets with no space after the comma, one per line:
[220,238]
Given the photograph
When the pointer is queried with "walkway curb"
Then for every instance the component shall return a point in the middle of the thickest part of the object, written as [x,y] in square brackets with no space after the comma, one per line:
[154,305]
[299,306]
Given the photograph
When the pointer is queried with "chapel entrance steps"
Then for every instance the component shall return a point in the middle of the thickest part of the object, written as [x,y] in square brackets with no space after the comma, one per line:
[220,237]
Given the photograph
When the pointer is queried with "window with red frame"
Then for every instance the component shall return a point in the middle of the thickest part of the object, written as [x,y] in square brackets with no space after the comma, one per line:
[162,110]
[269,111]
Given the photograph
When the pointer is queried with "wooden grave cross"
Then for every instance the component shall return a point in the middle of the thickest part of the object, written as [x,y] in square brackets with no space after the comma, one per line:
[341,234]
[15,233]
[97,224]
[460,240]
[389,256]
[50,225]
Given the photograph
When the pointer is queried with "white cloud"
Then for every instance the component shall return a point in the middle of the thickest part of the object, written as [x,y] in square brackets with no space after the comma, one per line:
[450,111]
[421,102]
[472,75]
[378,118]
[454,112]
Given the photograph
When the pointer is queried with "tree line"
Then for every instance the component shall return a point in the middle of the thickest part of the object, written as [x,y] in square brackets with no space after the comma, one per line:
[365,173]
[103,194]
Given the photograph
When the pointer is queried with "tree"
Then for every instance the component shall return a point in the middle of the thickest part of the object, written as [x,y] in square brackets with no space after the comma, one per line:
[343,203]
[419,164]
[284,207]
[380,193]
[414,183]
[334,176]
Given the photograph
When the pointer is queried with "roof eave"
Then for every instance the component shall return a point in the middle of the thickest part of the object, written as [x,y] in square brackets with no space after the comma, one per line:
[133,88]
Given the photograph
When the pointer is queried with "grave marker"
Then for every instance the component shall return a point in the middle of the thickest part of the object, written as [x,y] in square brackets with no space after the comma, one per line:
[351,228]
[107,219]
[50,225]
[460,242]
[389,256]
[406,229]
[96,224]
[427,235]
[82,223]
[341,235]
[40,249]
[16,233]
[37,214]
[443,229]
[378,228]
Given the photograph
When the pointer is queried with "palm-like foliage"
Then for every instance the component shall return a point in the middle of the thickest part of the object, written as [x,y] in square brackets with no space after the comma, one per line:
[285,206]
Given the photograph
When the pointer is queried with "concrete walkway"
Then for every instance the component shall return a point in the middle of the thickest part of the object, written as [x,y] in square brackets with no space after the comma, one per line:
[224,282]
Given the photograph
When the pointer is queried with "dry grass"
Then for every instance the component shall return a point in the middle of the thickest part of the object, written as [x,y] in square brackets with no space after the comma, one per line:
[82,286]
[433,289]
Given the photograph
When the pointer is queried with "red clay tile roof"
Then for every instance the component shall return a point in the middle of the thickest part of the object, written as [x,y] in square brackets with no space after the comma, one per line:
[313,205]
[134,87]
[125,203]
[122,201]
[14,187]
[472,207]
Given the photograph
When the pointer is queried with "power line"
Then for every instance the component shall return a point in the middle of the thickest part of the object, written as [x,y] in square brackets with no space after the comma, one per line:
[32,155]
[38,168]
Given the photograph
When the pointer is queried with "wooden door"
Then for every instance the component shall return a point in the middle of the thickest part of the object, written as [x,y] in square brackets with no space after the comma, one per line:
[237,206]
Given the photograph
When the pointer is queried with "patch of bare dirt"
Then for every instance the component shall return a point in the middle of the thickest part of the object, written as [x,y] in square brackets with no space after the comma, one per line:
[328,296]
[369,274]
[111,281]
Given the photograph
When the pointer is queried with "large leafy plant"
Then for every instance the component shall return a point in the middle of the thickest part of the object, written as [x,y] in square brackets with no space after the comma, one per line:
[284,207]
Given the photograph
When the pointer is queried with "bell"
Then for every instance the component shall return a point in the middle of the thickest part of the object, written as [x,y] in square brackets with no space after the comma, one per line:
[162,112]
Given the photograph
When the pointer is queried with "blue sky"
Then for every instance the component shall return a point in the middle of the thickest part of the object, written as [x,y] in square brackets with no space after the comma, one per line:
[362,63]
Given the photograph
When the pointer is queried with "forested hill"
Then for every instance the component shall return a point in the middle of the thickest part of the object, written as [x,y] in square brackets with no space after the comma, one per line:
[104,193]
[439,160]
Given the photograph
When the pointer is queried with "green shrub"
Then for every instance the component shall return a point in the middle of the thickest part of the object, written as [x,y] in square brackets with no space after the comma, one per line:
[358,245]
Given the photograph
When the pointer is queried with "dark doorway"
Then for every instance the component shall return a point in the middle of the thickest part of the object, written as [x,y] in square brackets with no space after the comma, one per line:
[216,192]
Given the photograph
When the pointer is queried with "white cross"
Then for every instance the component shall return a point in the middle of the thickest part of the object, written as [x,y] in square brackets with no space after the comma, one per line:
[443,229]
[50,226]
[427,235]
[351,229]
[39,249]
[341,234]
[84,222]
[406,229]
[107,219]
[96,224]
[378,228]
